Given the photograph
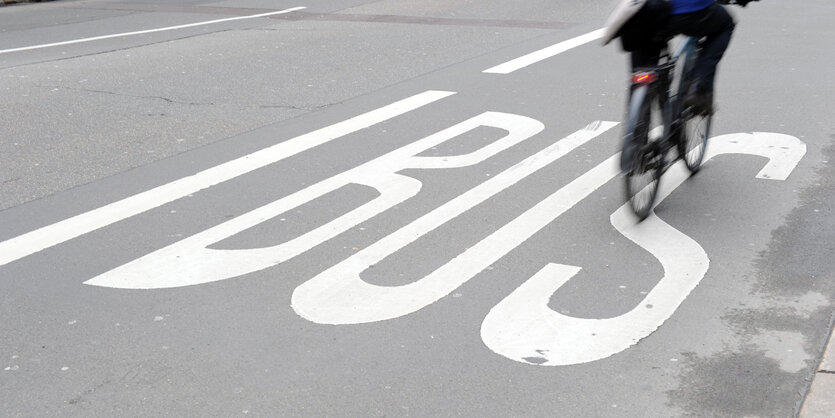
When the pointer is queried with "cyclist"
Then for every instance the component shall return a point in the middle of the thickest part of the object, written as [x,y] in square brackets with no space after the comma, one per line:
[643,25]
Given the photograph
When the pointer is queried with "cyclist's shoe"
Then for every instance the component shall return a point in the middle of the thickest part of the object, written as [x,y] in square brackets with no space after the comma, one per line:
[700,99]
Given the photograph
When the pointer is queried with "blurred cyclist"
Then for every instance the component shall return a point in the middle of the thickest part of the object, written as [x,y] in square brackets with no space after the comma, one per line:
[644,25]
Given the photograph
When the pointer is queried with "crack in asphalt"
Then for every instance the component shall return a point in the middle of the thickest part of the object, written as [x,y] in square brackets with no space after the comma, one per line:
[166,99]
[173,101]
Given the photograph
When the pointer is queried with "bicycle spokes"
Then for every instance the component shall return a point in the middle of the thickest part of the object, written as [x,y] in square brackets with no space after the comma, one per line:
[693,140]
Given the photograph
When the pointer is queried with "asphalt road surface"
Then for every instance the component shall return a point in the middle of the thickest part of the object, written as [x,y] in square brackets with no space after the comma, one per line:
[400,208]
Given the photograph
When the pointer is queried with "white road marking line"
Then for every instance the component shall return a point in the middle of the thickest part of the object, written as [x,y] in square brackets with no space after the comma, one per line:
[48,236]
[544,53]
[191,261]
[142,32]
[523,328]
[339,295]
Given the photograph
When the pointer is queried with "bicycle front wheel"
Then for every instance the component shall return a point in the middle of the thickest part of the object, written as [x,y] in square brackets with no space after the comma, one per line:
[692,144]
[646,163]
[695,128]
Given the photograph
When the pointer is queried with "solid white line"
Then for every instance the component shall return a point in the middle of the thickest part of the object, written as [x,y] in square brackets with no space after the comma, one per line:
[141,32]
[544,53]
[48,236]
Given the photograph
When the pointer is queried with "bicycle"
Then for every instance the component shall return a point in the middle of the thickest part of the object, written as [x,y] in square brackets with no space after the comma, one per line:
[658,123]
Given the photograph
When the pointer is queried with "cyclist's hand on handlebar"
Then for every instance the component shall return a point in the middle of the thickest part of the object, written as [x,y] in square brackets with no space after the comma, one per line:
[737,2]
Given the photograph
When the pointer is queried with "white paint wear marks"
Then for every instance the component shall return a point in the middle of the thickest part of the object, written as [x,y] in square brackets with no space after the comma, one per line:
[340,296]
[142,32]
[523,328]
[190,261]
[545,53]
[48,236]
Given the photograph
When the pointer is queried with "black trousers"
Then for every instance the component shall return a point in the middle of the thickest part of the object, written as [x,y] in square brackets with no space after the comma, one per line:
[713,23]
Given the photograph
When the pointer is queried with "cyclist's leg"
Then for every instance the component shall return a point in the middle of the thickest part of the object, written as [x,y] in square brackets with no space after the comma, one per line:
[716,25]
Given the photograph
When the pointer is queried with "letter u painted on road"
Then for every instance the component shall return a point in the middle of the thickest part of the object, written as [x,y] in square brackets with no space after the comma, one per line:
[191,262]
[340,296]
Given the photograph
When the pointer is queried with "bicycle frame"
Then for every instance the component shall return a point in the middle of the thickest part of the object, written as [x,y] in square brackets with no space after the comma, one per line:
[660,79]
[688,46]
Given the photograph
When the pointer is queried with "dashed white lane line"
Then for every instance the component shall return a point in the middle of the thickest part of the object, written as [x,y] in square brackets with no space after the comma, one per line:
[48,236]
[142,32]
[544,53]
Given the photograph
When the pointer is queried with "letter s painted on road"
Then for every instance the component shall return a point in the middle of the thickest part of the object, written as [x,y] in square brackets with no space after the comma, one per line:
[523,328]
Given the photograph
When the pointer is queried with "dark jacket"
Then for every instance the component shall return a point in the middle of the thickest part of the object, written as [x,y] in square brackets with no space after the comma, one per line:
[689,6]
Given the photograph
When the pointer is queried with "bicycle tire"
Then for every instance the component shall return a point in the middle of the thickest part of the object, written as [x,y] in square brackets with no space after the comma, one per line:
[693,146]
[646,164]
[694,129]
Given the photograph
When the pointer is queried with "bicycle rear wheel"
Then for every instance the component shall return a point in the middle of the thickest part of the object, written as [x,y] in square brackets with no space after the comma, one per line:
[644,130]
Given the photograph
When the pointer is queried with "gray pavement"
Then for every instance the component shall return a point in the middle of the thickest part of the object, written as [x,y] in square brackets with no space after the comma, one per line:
[93,123]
